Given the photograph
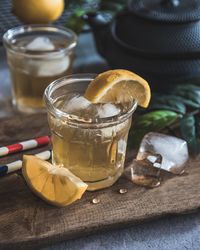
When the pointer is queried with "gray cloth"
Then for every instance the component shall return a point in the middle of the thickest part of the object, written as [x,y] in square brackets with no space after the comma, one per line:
[173,233]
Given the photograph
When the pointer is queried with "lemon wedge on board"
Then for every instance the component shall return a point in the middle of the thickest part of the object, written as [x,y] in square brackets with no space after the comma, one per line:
[56,185]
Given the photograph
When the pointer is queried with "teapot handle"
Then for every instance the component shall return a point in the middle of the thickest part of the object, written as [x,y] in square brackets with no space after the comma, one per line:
[171,3]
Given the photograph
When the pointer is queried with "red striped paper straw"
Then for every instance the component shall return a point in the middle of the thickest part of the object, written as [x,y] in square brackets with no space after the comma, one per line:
[24,145]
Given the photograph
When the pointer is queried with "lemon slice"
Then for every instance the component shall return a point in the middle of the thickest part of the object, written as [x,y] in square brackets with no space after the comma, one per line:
[56,185]
[118,86]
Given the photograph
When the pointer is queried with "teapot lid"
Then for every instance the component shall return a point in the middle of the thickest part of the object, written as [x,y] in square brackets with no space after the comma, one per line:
[167,10]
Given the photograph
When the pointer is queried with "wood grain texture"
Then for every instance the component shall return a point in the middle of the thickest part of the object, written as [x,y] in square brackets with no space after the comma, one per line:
[28,222]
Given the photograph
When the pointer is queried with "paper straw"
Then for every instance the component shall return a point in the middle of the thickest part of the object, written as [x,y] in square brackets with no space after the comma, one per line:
[24,145]
[16,165]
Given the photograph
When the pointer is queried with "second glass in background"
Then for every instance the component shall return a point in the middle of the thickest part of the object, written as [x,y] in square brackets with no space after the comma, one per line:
[37,55]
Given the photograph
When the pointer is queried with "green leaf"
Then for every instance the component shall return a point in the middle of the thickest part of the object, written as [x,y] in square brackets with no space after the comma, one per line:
[168,102]
[189,103]
[76,22]
[150,122]
[190,130]
[189,93]
[81,7]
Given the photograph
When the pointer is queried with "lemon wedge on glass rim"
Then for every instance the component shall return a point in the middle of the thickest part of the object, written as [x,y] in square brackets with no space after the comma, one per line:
[56,185]
[118,86]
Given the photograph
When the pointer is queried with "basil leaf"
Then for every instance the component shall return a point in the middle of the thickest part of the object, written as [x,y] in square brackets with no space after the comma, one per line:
[189,93]
[80,7]
[168,102]
[75,21]
[190,130]
[150,122]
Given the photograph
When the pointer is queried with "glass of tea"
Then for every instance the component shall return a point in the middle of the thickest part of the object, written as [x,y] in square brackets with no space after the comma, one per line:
[36,56]
[88,139]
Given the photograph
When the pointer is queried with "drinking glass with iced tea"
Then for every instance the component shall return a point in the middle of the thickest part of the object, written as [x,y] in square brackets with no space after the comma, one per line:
[37,55]
[89,118]
[89,136]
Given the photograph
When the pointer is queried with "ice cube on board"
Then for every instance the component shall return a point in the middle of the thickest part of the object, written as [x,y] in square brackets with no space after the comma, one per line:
[174,151]
[144,173]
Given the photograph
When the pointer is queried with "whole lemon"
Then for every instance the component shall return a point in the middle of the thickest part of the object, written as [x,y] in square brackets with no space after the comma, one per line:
[38,11]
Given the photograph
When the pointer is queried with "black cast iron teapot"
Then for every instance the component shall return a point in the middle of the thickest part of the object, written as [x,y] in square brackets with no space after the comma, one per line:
[158,39]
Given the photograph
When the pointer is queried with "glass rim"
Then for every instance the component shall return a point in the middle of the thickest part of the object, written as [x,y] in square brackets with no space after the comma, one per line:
[11,33]
[73,119]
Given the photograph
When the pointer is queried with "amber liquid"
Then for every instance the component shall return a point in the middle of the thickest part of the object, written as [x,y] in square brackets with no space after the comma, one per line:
[31,75]
[94,155]
[28,89]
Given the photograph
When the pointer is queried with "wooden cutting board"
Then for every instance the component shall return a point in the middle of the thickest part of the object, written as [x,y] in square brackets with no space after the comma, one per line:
[28,222]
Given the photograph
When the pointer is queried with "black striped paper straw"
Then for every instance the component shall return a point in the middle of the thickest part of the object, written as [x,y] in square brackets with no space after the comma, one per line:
[16,165]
